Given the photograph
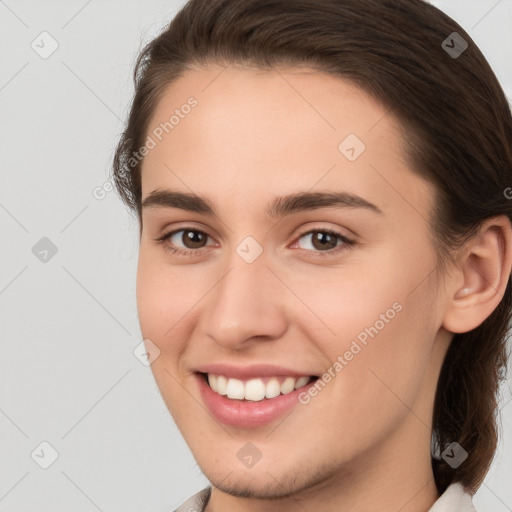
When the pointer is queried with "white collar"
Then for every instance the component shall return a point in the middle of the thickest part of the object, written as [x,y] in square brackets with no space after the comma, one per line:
[454,499]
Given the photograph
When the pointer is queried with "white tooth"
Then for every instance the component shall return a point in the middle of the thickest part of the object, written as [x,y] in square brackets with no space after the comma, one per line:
[254,390]
[235,389]
[301,381]
[288,385]
[273,388]
[212,380]
[222,385]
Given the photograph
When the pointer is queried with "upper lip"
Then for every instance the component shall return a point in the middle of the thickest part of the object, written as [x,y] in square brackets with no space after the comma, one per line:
[251,371]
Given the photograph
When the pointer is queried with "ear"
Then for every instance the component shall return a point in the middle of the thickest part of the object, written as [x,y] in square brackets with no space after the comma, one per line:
[482,275]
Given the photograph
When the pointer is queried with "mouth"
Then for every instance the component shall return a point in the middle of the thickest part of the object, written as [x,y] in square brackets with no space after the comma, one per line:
[252,396]
[256,389]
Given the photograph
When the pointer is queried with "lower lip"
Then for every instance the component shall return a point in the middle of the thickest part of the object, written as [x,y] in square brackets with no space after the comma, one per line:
[247,414]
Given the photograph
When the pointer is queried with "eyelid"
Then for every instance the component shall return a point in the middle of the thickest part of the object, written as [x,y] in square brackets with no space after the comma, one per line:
[335,231]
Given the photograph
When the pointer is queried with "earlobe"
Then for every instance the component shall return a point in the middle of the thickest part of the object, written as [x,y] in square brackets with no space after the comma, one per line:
[485,271]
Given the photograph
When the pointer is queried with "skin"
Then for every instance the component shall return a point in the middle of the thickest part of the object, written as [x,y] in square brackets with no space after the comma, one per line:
[363,443]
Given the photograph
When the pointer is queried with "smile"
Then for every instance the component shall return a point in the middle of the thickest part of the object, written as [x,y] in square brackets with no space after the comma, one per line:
[256,389]
[250,397]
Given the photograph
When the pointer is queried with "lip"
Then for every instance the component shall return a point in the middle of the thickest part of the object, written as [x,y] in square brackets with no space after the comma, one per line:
[250,372]
[247,414]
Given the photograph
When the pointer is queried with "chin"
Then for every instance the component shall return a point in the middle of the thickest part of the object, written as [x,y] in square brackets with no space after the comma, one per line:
[267,482]
[263,486]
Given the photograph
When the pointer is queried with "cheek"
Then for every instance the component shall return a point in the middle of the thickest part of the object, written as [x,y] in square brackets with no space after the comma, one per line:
[345,303]
[380,293]
[164,295]
[383,381]
[163,303]
[377,332]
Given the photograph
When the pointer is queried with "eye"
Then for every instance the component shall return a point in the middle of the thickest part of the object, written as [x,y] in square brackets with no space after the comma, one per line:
[191,240]
[324,242]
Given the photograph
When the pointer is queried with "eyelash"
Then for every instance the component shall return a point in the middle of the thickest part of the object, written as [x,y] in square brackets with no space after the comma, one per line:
[347,242]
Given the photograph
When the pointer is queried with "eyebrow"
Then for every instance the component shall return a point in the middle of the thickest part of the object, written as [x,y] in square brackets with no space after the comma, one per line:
[278,207]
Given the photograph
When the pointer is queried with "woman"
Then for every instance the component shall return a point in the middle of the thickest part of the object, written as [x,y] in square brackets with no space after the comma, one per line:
[325,250]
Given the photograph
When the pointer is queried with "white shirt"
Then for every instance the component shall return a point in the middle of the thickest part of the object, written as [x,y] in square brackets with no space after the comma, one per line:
[454,499]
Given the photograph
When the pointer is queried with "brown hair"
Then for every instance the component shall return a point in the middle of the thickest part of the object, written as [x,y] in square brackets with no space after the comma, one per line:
[456,123]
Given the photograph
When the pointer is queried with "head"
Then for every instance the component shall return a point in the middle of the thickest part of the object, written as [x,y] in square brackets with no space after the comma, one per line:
[405,154]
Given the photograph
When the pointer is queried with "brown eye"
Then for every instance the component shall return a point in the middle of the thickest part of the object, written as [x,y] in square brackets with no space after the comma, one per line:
[184,241]
[322,240]
[192,239]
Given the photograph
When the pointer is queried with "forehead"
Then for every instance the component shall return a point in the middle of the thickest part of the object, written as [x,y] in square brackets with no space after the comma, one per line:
[277,130]
[310,101]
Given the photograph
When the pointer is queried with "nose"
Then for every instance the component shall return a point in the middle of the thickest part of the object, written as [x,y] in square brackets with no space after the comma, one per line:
[246,305]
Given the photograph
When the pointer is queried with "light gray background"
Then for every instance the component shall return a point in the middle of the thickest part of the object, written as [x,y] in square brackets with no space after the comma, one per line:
[68,375]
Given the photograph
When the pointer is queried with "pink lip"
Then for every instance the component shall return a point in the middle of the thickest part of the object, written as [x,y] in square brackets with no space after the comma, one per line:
[247,414]
[250,372]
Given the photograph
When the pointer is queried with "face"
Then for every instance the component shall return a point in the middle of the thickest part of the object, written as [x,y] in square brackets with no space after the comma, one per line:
[301,280]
